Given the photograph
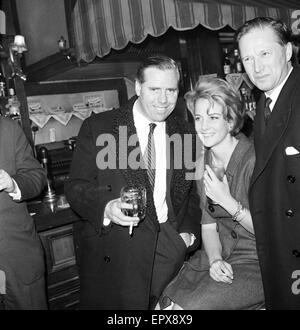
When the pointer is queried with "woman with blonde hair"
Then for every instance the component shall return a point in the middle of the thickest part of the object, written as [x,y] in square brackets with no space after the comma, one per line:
[225,272]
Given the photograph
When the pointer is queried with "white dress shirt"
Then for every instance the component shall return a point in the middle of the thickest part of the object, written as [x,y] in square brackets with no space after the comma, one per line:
[160,187]
[274,95]
[16,194]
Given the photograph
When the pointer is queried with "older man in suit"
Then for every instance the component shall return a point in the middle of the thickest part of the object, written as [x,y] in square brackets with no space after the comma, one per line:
[266,52]
[21,254]
[118,270]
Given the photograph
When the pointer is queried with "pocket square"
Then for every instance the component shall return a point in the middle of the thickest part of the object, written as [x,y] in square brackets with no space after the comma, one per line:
[289,151]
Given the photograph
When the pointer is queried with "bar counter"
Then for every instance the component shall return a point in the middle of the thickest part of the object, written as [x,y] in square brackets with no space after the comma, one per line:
[55,225]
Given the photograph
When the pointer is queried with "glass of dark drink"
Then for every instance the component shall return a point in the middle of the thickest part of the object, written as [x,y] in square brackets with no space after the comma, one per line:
[137,196]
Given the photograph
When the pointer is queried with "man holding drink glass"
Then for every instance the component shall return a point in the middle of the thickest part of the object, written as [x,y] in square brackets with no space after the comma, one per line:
[126,261]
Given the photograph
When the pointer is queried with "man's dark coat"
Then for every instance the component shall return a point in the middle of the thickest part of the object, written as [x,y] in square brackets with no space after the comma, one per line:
[20,247]
[275,197]
[115,268]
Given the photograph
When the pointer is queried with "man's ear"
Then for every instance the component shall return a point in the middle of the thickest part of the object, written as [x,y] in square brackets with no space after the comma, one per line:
[138,88]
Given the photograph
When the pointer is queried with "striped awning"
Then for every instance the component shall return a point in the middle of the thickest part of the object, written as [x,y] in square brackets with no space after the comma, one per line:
[100,25]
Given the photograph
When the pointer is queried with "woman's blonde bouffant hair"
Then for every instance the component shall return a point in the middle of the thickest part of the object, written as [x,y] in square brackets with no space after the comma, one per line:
[220,91]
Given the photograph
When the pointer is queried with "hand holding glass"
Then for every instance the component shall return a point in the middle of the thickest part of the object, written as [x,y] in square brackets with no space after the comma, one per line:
[136,196]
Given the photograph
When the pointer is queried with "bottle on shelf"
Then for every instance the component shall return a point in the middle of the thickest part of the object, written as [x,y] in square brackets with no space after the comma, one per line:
[3,92]
[252,103]
[3,95]
[13,105]
[248,102]
[237,63]
[244,98]
[226,63]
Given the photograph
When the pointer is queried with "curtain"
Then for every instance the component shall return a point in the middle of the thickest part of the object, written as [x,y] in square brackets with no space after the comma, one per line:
[100,25]
[256,3]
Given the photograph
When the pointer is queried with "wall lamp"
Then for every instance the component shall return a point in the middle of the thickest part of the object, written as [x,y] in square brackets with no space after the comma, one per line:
[17,48]
[12,54]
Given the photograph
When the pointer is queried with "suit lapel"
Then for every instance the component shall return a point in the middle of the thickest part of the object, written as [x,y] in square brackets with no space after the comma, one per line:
[177,185]
[170,168]
[170,159]
[266,142]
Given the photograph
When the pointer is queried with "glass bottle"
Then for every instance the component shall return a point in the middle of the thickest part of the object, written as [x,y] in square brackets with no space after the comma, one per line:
[3,92]
[226,63]
[253,103]
[13,105]
[238,67]
[244,100]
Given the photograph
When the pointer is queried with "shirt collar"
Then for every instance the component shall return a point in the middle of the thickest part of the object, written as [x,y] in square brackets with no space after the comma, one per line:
[274,95]
[141,121]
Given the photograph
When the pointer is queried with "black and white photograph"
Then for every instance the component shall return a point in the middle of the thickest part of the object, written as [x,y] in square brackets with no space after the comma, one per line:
[149,158]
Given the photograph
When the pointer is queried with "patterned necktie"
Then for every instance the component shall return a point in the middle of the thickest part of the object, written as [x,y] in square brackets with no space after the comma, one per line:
[150,156]
[267,110]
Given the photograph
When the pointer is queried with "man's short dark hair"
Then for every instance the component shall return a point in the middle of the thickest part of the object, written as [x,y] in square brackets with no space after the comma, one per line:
[281,30]
[159,61]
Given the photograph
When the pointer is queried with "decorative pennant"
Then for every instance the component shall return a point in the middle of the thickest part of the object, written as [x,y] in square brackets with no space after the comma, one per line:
[235,80]
[247,80]
[83,114]
[63,118]
[40,119]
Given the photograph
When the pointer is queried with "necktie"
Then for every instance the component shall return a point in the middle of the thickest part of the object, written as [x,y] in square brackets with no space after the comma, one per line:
[150,156]
[267,110]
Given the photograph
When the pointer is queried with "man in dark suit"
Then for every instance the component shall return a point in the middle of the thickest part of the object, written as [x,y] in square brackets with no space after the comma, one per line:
[266,52]
[118,270]
[21,254]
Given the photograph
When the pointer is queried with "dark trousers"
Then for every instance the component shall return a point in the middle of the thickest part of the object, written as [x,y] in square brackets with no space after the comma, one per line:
[169,258]
[21,296]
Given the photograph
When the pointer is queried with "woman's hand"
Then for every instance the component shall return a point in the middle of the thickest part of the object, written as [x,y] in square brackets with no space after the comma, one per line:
[221,271]
[215,189]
